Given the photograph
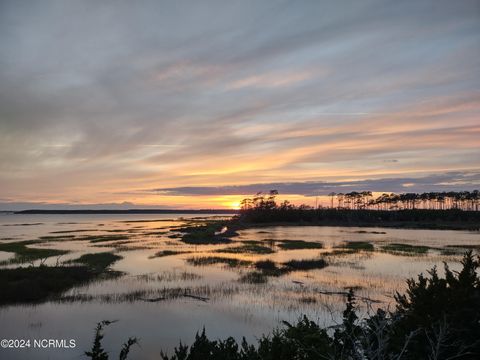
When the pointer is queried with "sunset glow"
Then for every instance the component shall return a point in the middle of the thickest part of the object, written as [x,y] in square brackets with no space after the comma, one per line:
[322,101]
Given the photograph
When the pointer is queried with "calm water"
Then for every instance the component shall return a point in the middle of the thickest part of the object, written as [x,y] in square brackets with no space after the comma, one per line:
[233,308]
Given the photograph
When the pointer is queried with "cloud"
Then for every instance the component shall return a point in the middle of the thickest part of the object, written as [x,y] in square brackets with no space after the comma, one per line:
[436,182]
[103,98]
[271,80]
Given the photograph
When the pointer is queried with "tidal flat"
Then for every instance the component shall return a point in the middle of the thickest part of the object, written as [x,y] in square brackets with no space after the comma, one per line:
[166,276]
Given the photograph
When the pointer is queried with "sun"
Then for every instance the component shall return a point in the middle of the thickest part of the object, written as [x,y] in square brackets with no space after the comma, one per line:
[235,205]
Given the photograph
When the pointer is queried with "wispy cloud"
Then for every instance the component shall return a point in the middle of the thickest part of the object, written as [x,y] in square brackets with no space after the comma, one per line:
[444,182]
[98,101]
[270,80]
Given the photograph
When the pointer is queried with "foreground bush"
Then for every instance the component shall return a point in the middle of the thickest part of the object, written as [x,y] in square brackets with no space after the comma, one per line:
[437,318]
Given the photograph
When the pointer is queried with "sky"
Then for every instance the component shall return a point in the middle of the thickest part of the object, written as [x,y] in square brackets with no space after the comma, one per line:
[197,104]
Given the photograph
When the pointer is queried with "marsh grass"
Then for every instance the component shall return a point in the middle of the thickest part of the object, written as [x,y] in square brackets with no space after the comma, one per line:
[154,233]
[212,260]
[56,237]
[254,277]
[121,246]
[269,242]
[305,264]
[451,251]
[117,243]
[103,238]
[247,248]
[98,261]
[298,244]
[131,248]
[169,276]
[367,232]
[456,250]
[197,293]
[397,248]
[164,253]
[170,242]
[307,300]
[270,268]
[26,224]
[204,240]
[203,237]
[35,284]
[133,231]
[266,265]
[340,252]
[357,246]
[466,246]
[437,318]
[24,254]
[205,233]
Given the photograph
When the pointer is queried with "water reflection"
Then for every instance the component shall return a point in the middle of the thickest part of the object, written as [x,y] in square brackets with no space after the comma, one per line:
[163,296]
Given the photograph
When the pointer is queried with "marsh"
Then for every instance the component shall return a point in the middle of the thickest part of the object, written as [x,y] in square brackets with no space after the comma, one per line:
[243,283]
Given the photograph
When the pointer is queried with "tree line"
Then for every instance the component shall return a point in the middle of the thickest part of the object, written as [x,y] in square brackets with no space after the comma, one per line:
[463,200]
[364,200]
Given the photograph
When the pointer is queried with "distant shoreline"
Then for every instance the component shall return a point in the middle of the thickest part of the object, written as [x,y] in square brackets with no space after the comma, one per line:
[407,219]
[128,211]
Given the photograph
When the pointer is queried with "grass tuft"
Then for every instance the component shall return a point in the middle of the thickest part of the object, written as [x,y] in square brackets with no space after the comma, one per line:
[254,277]
[305,264]
[24,254]
[103,238]
[247,248]
[98,261]
[298,244]
[212,260]
[269,268]
[164,253]
[357,246]
[405,248]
